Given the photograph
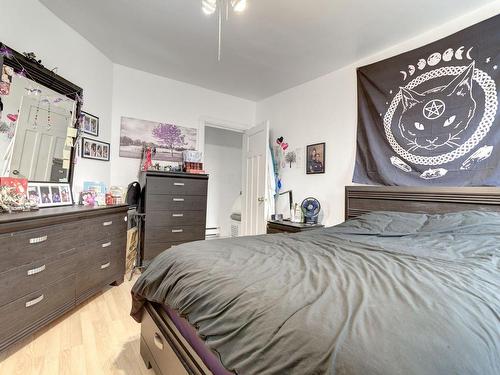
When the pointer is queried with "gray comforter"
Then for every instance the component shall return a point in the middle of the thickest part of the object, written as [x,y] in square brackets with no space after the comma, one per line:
[386,293]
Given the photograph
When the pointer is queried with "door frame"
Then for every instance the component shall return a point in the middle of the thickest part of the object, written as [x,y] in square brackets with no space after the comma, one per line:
[213,122]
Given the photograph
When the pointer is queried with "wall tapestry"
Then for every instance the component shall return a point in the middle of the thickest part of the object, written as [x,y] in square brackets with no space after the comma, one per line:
[168,139]
[429,116]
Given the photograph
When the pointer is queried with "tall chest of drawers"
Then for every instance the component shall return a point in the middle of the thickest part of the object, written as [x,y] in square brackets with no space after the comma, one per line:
[53,259]
[176,210]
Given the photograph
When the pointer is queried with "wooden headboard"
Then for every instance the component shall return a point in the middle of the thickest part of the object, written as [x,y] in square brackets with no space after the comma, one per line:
[362,199]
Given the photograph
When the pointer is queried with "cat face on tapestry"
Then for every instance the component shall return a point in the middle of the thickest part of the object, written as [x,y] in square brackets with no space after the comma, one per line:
[437,118]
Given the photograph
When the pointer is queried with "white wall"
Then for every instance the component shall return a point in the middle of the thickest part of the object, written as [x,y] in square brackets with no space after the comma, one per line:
[223,154]
[28,26]
[325,110]
[150,97]
[320,110]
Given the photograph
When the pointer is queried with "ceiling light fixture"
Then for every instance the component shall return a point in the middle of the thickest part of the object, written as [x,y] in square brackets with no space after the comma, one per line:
[239,5]
[209,7]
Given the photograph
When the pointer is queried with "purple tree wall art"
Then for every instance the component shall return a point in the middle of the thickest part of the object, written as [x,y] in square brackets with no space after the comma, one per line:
[168,139]
[169,136]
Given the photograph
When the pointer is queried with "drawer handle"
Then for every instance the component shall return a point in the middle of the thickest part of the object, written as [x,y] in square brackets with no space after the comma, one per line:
[177,215]
[107,223]
[158,341]
[178,183]
[105,265]
[177,230]
[38,239]
[178,199]
[34,271]
[107,244]
[34,301]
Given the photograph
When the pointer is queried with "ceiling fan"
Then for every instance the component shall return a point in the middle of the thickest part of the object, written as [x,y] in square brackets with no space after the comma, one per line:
[222,7]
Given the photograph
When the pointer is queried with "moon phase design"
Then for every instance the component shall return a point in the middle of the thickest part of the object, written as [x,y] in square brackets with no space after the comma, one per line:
[459,52]
[421,64]
[404,74]
[468,53]
[448,54]
[411,69]
[434,59]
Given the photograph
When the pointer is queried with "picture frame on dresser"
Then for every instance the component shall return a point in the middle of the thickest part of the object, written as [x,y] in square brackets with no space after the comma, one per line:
[50,194]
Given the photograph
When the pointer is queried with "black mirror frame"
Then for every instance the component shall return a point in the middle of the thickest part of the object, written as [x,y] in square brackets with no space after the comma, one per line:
[49,79]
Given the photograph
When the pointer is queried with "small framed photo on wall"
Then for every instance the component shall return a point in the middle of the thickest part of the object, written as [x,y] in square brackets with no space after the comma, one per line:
[315,155]
[89,123]
[94,149]
[50,194]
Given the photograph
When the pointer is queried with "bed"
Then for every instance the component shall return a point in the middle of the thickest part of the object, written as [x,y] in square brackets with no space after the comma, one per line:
[394,290]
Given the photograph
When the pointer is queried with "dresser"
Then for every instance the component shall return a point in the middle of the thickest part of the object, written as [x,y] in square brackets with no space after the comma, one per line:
[52,260]
[175,210]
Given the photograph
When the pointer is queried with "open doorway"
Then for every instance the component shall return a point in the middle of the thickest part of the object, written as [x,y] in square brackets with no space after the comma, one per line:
[223,158]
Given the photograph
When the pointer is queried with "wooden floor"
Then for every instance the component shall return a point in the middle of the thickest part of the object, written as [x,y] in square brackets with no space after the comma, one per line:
[99,337]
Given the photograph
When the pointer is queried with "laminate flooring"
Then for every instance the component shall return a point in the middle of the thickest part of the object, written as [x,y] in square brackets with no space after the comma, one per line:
[98,337]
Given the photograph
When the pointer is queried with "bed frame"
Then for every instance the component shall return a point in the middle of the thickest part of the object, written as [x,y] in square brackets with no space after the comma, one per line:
[164,348]
[363,199]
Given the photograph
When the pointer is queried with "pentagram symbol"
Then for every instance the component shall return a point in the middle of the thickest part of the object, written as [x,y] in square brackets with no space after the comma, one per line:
[433,109]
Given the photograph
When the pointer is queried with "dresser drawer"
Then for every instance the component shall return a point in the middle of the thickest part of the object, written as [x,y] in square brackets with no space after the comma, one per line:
[174,218]
[27,312]
[180,233]
[114,246]
[23,280]
[176,186]
[163,355]
[152,249]
[175,202]
[101,262]
[25,247]
[104,226]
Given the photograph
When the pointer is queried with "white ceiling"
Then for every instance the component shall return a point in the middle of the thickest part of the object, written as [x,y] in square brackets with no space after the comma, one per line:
[274,45]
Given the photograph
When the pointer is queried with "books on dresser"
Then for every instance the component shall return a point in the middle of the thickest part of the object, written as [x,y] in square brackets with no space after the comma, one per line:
[175,210]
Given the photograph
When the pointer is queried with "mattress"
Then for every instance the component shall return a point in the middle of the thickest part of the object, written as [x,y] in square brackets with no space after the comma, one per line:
[384,294]
[187,331]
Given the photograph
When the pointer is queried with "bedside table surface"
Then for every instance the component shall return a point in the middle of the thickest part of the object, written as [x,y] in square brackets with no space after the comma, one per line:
[298,227]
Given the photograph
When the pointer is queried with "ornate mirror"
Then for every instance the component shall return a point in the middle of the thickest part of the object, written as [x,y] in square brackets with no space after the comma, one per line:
[36,110]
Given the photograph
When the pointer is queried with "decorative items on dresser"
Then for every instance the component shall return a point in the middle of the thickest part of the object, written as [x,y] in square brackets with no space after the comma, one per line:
[175,210]
[54,259]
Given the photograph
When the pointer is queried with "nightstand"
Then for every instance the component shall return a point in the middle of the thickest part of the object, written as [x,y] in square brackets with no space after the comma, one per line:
[289,227]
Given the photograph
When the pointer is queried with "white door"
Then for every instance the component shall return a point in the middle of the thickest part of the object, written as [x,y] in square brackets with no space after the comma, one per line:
[254,180]
[38,140]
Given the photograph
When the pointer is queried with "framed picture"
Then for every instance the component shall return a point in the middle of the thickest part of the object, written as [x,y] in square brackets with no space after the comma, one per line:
[94,149]
[50,194]
[315,158]
[89,123]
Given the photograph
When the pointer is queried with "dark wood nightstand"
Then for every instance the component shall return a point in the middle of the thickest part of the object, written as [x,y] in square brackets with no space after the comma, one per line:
[289,227]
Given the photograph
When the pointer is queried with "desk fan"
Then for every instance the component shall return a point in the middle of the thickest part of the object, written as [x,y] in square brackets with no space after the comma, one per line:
[311,208]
